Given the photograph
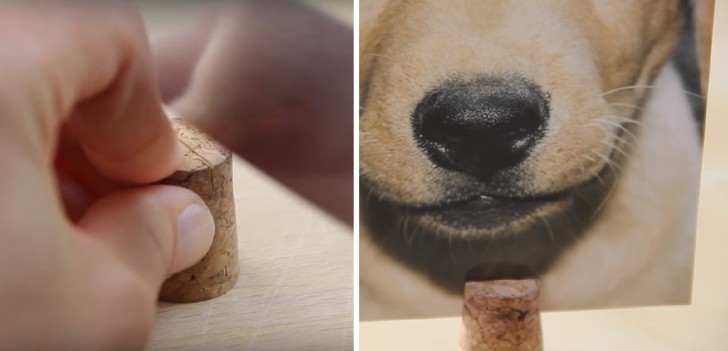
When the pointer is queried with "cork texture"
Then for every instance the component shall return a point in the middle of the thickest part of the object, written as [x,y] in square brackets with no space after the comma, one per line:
[501,315]
[206,170]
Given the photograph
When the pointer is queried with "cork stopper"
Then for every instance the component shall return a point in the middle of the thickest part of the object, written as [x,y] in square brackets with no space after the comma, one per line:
[206,170]
[501,314]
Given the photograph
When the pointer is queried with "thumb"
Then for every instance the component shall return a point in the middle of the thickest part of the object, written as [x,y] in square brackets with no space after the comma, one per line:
[155,230]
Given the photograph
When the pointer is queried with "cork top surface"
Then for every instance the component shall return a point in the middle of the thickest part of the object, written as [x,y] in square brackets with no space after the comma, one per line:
[504,289]
[200,150]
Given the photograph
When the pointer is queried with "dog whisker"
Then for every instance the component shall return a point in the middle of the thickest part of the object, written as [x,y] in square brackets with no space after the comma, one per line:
[599,178]
[548,229]
[449,249]
[623,141]
[617,118]
[616,125]
[607,161]
[605,200]
[622,119]
[615,147]
[583,167]
[623,104]
[647,86]
[581,164]
[405,226]
[627,87]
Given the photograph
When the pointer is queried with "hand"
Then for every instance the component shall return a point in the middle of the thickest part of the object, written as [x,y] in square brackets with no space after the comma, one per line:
[272,80]
[84,246]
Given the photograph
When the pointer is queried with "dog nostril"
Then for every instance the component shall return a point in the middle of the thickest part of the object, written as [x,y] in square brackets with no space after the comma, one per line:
[481,126]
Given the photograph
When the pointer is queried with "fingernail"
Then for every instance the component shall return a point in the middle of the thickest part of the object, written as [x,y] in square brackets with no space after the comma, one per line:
[195,230]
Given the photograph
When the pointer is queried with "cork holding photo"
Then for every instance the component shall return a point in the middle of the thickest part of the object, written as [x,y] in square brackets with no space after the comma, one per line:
[560,137]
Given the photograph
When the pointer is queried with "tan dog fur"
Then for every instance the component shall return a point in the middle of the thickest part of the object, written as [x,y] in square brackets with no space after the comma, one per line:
[586,55]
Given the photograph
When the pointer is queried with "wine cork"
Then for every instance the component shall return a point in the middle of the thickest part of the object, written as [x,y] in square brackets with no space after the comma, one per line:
[206,170]
[502,315]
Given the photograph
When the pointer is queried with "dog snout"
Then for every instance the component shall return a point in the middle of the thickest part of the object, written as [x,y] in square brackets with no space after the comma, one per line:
[480,126]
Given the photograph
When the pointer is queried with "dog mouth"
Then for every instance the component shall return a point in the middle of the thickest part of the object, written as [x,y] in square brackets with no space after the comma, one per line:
[487,212]
[481,213]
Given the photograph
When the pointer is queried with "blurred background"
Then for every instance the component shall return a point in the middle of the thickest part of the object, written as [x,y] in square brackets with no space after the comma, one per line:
[159,14]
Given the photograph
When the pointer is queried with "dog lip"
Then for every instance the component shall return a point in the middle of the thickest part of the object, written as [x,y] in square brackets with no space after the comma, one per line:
[486,211]
[483,200]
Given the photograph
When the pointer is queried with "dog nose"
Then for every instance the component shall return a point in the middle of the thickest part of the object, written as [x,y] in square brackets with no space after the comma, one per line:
[480,126]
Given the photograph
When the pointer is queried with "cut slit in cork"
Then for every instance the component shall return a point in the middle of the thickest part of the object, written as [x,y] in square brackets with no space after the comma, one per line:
[207,171]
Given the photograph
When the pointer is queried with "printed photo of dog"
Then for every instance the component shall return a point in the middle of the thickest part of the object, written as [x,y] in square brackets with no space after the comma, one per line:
[563,136]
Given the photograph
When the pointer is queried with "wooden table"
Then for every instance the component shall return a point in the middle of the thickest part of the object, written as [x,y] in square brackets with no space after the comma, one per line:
[702,326]
[295,286]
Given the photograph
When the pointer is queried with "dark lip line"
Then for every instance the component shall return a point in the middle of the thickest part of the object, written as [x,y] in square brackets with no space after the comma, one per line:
[537,198]
[541,198]
[546,197]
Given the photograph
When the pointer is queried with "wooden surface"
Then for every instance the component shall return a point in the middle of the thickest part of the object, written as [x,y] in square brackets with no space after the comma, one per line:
[295,286]
[702,326]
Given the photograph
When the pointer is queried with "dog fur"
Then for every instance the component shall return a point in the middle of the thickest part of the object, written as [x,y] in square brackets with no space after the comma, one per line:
[621,144]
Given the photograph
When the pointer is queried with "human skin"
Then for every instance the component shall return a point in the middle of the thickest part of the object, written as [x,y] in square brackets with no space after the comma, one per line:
[84,244]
